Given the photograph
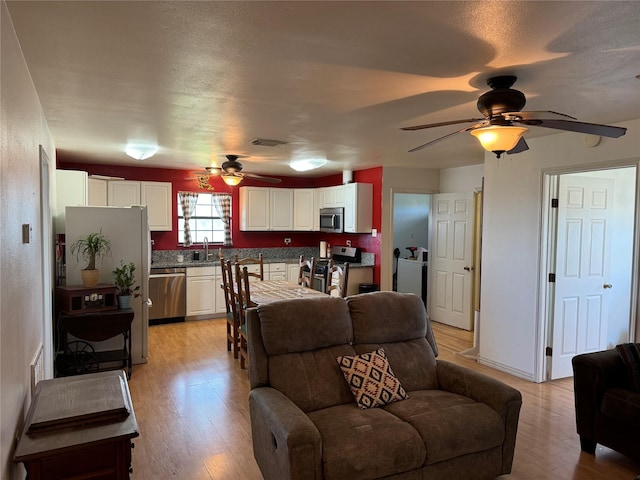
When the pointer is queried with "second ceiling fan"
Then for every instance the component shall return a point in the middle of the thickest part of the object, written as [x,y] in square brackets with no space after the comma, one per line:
[503,124]
[232,174]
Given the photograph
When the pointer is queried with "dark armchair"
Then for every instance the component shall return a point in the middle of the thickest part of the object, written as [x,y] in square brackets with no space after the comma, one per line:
[607,407]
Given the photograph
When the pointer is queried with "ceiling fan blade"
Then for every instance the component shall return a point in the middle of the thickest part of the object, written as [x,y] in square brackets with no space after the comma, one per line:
[580,127]
[465,129]
[537,114]
[442,124]
[521,146]
[261,178]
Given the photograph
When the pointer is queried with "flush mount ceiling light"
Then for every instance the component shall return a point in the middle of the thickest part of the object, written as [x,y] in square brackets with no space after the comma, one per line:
[499,139]
[308,164]
[141,151]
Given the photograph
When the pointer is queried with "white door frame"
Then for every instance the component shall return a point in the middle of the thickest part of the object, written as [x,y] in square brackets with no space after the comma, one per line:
[548,254]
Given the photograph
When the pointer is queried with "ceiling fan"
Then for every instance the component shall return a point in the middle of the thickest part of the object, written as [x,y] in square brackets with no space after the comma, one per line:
[232,174]
[503,124]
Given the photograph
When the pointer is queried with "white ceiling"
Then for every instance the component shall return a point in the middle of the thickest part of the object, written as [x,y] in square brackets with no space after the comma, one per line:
[335,80]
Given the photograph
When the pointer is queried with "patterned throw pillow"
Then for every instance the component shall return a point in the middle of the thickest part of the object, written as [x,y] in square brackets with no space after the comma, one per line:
[371,379]
[630,355]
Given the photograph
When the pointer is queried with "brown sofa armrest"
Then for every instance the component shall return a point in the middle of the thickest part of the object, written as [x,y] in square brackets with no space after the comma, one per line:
[286,443]
[501,397]
[593,373]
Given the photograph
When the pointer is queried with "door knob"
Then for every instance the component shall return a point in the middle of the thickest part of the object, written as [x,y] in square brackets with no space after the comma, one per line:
[607,285]
[468,269]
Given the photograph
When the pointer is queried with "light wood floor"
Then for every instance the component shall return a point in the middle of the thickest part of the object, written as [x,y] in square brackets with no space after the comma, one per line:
[190,401]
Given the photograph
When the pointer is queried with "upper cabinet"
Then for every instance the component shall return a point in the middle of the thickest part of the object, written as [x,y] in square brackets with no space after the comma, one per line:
[123,193]
[263,209]
[157,196]
[98,192]
[358,211]
[282,209]
[305,210]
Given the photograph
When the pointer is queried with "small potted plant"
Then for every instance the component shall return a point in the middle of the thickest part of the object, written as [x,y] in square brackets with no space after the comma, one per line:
[126,284]
[91,248]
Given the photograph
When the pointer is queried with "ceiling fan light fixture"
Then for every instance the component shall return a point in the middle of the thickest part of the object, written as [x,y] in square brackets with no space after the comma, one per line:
[141,151]
[307,164]
[231,180]
[498,138]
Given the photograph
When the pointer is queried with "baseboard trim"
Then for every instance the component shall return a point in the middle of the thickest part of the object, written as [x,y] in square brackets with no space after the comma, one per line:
[506,369]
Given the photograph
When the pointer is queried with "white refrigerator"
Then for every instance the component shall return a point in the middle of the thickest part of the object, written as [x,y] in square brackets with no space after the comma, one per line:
[128,230]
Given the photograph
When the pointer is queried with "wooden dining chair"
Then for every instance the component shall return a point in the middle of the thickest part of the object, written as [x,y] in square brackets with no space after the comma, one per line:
[306,272]
[243,298]
[337,280]
[251,261]
[233,315]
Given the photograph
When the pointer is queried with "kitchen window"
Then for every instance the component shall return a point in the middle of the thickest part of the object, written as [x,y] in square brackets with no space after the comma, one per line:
[205,220]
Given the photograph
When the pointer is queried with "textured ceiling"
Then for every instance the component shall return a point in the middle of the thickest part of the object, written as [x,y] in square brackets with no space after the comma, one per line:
[335,80]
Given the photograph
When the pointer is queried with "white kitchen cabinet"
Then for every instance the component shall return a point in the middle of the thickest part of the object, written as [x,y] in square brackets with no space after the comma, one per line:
[305,214]
[281,214]
[98,196]
[264,209]
[333,197]
[358,208]
[71,191]
[293,269]
[254,208]
[158,198]
[203,284]
[123,193]
[277,271]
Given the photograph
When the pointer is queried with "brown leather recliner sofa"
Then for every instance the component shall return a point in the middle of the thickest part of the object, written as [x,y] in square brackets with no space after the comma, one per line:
[607,408]
[456,423]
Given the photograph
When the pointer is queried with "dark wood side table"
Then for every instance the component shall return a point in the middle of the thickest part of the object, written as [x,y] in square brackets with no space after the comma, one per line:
[79,428]
[79,357]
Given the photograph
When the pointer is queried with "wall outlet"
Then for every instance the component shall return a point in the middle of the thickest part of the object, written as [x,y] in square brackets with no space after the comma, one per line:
[374,232]
[287,241]
[348,243]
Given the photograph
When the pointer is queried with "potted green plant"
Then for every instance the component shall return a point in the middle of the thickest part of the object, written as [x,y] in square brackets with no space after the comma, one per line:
[126,283]
[91,248]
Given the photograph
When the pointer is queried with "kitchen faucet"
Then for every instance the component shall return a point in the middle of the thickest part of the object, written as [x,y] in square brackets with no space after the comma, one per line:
[205,241]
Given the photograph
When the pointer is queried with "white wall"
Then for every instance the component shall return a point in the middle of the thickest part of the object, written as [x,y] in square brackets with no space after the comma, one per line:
[22,303]
[461,179]
[399,180]
[510,317]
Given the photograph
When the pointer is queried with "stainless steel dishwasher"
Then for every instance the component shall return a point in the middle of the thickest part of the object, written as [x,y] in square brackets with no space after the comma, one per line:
[167,291]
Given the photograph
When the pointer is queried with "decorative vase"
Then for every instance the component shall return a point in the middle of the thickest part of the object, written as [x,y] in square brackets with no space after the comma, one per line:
[90,277]
[124,301]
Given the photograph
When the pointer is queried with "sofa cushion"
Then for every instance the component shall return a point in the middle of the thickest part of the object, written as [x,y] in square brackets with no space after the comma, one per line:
[623,405]
[363,444]
[304,324]
[371,379]
[312,380]
[413,362]
[450,425]
[388,317]
[630,355]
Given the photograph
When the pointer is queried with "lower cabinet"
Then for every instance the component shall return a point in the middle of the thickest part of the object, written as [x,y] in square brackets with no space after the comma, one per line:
[204,295]
[358,276]
[293,269]
[277,271]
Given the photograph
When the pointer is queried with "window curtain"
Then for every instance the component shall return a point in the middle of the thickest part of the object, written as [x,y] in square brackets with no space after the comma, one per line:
[188,203]
[222,202]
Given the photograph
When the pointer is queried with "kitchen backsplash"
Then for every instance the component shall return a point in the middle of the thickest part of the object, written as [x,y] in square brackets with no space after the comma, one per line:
[270,254]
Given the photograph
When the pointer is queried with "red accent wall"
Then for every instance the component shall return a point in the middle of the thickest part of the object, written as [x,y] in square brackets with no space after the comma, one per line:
[183,180]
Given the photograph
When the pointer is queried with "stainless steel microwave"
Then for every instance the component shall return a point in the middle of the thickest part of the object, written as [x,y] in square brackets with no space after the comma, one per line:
[332,220]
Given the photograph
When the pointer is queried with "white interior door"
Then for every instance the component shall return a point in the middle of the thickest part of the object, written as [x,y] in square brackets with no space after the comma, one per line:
[451,259]
[582,269]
